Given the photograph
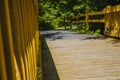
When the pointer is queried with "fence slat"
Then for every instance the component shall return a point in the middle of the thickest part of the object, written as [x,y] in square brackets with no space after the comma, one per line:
[3,75]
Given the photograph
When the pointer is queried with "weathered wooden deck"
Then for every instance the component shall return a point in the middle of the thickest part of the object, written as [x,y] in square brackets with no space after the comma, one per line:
[81,59]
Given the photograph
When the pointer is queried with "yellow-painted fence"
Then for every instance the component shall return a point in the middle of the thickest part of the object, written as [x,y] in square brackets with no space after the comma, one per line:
[18,39]
[110,17]
[112,21]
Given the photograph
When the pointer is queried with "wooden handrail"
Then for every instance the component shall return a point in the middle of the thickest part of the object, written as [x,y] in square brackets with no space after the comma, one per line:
[96,13]
[87,20]
[109,16]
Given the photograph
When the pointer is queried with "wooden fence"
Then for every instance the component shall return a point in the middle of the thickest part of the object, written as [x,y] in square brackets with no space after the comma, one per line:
[110,16]
[18,39]
[112,21]
[89,18]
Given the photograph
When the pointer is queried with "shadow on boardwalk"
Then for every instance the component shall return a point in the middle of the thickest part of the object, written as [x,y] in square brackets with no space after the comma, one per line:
[49,69]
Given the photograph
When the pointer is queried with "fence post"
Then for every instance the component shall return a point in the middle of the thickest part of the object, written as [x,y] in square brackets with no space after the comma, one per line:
[64,23]
[87,20]
[70,24]
[77,19]
[3,75]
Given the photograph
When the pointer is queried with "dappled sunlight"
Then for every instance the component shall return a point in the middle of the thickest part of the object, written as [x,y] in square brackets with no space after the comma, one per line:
[112,21]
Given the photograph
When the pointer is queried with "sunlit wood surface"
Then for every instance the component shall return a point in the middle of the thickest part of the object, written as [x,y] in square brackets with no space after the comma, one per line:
[18,39]
[89,59]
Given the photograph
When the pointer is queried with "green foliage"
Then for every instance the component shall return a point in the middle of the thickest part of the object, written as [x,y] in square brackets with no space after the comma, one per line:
[97,33]
[52,12]
[41,38]
[45,26]
[48,15]
[83,30]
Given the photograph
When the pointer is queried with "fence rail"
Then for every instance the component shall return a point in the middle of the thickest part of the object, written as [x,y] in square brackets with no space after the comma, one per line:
[87,20]
[95,20]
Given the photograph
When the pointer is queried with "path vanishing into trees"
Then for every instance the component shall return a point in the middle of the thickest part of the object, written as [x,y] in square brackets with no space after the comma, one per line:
[71,56]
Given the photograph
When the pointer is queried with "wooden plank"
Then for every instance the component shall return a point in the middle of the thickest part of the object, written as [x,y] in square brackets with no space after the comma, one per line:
[97,20]
[112,9]
[87,20]
[96,13]
[3,75]
[92,21]
[7,40]
[91,14]
[87,59]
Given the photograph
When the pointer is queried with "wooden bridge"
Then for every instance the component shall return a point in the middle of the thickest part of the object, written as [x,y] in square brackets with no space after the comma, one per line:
[70,59]
[71,56]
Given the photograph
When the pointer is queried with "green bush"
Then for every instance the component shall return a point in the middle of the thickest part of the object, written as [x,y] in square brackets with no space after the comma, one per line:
[83,30]
[45,26]
[97,33]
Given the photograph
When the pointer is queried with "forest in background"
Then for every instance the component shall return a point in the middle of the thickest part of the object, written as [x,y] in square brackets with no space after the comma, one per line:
[53,12]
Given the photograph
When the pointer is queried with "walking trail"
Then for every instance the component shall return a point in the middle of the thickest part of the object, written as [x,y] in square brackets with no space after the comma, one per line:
[71,56]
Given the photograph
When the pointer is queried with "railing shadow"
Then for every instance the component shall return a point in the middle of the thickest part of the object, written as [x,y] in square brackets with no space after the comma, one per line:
[113,40]
[48,65]
[53,35]
[39,62]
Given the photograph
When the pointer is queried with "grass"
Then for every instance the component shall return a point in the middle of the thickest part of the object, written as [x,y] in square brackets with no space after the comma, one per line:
[85,31]
[62,27]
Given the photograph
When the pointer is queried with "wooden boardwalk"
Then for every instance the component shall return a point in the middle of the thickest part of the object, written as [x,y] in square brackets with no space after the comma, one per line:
[81,59]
